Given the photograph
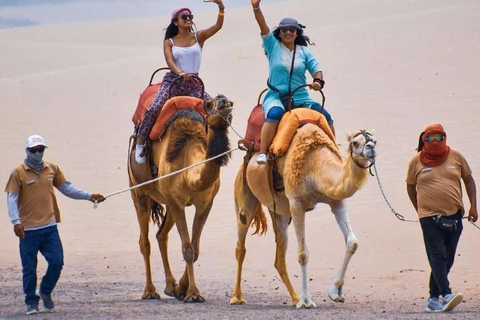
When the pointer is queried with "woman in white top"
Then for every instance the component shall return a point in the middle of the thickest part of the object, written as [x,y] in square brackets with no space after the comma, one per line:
[183,52]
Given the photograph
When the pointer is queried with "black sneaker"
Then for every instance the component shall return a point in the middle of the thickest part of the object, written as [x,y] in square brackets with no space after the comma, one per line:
[32,308]
[47,301]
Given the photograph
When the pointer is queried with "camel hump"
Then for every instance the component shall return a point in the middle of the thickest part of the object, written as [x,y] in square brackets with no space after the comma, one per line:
[144,101]
[293,120]
[172,106]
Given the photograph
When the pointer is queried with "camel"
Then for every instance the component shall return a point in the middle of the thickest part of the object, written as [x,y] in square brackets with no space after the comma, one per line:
[186,142]
[312,173]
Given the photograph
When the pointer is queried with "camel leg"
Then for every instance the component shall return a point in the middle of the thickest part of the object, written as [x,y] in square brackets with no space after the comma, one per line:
[281,238]
[298,215]
[339,210]
[143,206]
[246,206]
[201,216]
[162,239]
[193,294]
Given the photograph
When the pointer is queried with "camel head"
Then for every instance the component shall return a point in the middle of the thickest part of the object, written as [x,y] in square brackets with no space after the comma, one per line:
[361,145]
[219,111]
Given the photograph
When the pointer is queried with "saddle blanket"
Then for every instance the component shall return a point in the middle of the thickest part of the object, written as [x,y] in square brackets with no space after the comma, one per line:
[172,105]
[287,128]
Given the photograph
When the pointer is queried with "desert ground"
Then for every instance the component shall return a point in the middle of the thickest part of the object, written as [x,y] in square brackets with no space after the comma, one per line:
[392,66]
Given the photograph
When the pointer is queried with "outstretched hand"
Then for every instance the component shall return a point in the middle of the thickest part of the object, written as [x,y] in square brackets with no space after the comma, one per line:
[97,198]
[255,3]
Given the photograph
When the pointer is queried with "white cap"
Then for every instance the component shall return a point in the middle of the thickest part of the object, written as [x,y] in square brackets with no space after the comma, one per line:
[35,140]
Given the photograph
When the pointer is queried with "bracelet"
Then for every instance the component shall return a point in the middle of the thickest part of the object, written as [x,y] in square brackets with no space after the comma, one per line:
[221,13]
[256,8]
[322,82]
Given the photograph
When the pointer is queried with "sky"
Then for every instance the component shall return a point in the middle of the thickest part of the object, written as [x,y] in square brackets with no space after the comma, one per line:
[21,13]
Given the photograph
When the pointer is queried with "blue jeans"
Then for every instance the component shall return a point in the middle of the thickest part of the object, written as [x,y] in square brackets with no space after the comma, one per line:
[440,246]
[47,241]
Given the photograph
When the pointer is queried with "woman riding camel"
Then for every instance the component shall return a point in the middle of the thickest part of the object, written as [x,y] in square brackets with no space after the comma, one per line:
[183,53]
[286,46]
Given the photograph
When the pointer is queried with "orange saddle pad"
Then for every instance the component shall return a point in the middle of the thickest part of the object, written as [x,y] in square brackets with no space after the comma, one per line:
[289,124]
[170,108]
[254,128]
[146,98]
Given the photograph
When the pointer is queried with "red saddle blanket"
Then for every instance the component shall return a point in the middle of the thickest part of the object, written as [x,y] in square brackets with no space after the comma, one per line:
[287,128]
[170,107]
[144,101]
[254,128]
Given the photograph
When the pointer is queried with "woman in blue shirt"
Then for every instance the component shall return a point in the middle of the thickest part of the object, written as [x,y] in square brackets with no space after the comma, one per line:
[281,45]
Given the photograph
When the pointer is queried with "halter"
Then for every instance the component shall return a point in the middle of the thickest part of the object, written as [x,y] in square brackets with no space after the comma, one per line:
[368,138]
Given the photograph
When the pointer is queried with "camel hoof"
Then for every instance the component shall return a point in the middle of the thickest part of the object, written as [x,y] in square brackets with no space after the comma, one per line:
[336,295]
[151,296]
[238,301]
[194,298]
[169,292]
[337,298]
[306,304]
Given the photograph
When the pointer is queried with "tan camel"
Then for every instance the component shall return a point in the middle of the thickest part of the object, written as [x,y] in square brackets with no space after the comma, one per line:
[312,173]
[185,142]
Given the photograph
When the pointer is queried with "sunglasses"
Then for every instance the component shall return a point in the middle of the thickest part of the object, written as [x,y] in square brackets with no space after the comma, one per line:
[289,29]
[187,16]
[435,137]
[37,149]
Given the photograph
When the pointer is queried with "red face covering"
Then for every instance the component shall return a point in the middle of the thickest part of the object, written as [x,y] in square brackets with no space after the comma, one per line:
[434,153]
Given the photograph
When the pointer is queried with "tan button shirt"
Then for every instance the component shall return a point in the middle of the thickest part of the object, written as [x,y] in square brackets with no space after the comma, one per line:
[37,204]
[439,189]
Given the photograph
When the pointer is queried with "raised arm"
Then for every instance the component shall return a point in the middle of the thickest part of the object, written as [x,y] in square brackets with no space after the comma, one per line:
[257,12]
[203,35]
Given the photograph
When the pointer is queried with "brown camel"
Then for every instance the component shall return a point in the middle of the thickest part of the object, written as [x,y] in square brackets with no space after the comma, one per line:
[312,173]
[186,142]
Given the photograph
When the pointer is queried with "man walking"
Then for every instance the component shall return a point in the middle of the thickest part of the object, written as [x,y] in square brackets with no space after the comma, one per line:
[33,211]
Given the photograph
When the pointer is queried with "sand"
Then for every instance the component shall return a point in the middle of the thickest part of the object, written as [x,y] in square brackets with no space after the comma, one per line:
[394,66]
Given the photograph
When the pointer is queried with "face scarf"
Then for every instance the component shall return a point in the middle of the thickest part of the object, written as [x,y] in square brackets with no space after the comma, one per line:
[34,160]
[433,153]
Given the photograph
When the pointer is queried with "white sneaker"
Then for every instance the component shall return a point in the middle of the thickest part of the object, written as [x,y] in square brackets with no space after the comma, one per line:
[262,158]
[140,156]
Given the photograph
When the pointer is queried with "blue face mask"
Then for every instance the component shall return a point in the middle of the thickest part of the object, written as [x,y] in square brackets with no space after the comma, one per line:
[34,160]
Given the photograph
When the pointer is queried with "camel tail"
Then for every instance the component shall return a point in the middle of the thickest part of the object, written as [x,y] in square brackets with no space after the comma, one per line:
[259,221]
[157,214]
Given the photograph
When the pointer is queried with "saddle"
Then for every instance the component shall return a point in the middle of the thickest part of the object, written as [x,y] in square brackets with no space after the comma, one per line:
[172,106]
[290,122]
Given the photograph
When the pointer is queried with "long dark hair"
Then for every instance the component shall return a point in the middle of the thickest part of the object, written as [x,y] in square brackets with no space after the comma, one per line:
[301,39]
[172,30]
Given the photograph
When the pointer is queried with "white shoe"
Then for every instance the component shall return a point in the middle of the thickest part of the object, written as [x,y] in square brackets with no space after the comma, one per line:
[140,156]
[262,158]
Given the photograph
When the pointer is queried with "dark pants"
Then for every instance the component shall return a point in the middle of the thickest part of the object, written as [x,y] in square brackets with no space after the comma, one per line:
[47,241]
[440,246]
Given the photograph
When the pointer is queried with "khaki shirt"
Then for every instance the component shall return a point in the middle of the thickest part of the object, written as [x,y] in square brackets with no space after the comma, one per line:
[439,189]
[37,204]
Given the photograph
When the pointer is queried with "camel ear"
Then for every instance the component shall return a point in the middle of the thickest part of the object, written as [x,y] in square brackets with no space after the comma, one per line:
[372,132]
[349,135]
[208,105]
